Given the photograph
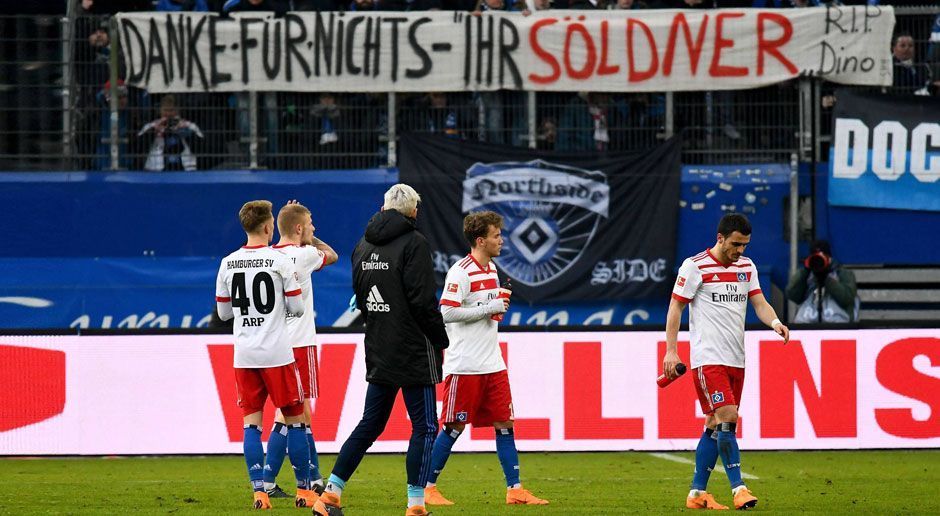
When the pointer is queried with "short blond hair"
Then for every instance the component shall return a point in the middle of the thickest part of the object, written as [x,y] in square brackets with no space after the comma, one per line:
[289,216]
[254,214]
[402,198]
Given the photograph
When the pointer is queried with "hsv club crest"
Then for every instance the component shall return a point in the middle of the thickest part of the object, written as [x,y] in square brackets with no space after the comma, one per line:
[551,213]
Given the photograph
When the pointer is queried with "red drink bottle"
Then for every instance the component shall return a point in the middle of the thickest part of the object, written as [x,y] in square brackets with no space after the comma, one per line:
[664,380]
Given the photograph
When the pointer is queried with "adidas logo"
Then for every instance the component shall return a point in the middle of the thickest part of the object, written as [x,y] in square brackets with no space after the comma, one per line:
[255,467]
[375,303]
[716,278]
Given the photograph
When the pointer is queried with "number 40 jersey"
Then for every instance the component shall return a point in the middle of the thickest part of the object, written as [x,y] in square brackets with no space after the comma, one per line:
[258,286]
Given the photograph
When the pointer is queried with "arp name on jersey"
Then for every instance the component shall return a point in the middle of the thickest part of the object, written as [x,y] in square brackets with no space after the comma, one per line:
[252,321]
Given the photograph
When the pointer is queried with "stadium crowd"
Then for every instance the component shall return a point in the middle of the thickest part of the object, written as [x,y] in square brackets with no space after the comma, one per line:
[350,130]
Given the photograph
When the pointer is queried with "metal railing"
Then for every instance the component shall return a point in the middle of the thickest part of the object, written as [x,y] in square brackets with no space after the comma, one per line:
[62,111]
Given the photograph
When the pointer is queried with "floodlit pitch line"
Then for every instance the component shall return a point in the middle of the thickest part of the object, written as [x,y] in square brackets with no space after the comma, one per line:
[683,460]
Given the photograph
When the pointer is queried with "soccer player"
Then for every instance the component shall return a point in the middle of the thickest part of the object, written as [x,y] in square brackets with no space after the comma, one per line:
[263,285]
[393,279]
[718,282]
[309,254]
[476,381]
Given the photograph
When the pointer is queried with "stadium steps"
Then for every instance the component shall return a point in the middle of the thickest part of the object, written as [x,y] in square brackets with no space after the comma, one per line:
[896,293]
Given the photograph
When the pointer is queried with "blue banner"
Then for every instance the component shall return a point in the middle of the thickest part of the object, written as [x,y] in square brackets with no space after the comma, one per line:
[141,250]
[179,293]
[885,152]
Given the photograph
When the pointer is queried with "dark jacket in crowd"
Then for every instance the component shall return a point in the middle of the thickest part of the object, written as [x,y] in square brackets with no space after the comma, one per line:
[279,7]
[393,279]
[912,78]
[839,294]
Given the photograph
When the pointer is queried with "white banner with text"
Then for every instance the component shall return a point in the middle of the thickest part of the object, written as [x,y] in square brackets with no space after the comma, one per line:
[617,51]
[846,389]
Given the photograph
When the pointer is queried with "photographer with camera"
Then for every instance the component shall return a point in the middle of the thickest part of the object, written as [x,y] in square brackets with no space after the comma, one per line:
[171,148]
[825,290]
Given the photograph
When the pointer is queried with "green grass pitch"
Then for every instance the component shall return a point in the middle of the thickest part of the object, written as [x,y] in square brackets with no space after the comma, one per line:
[874,482]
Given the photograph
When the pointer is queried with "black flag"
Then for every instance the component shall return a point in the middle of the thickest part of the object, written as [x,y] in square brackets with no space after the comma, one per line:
[578,226]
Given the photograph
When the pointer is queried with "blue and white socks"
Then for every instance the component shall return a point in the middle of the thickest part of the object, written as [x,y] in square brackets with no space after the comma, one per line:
[277,449]
[296,441]
[508,456]
[299,452]
[441,451]
[254,456]
[730,454]
[706,456]
[315,476]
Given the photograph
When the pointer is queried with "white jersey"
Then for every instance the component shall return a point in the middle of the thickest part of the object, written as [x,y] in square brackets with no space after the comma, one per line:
[307,259]
[255,280]
[718,297]
[474,348]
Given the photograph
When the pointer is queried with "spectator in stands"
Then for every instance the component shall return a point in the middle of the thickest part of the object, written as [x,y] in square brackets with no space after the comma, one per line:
[171,148]
[435,114]
[278,7]
[319,5]
[548,133]
[181,5]
[719,105]
[366,145]
[587,4]
[100,42]
[933,55]
[459,5]
[267,100]
[103,154]
[909,76]
[536,5]
[326,112]
[824,289]
[627,5]
[112,6]
[492,103]
[584,123]
[128,109]
[782,4]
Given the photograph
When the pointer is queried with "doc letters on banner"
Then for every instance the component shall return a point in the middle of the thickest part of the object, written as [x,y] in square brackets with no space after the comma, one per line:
[577,226]
[885,152]
[657,50]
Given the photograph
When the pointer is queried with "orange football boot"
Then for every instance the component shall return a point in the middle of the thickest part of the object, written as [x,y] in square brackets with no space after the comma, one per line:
[434,497]
[523,497]
[417,510]
[704,501]
[743,499]
[327,505]
[306,498]
[261,500]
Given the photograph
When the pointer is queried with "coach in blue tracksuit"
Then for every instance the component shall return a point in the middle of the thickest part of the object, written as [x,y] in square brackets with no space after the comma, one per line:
[393,279]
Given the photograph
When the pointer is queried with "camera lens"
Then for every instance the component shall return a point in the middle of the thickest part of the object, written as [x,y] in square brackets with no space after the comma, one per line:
[817,262]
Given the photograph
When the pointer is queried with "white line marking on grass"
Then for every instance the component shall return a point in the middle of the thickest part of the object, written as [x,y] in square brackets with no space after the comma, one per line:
[683,460]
